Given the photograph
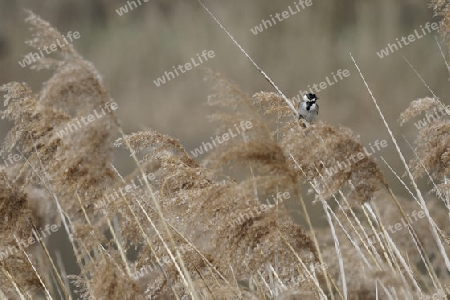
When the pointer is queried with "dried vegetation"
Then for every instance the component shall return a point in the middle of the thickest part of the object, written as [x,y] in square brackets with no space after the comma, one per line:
[195,232]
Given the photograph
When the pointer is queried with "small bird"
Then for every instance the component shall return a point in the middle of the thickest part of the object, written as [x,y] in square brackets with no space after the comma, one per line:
[308,109]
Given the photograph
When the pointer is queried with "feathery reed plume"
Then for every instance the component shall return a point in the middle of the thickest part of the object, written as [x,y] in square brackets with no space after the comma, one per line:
[433,138]
[334,158]
[64,133]
[44,124]
[238,236]
[15,224]
[441,8]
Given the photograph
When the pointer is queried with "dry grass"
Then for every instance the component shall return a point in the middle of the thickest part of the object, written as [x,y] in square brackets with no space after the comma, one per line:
[196,231]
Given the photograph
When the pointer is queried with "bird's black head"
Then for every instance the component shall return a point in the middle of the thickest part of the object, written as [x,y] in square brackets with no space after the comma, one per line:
[311,97]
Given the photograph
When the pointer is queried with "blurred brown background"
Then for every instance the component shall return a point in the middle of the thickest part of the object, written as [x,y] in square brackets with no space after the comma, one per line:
[132,50]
